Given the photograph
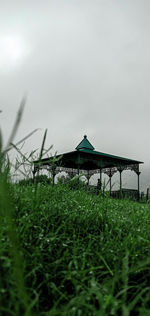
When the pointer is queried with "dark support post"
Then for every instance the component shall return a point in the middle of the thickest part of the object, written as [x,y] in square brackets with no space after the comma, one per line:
[110,182]
[99,183]
[53,171]
[138,174]
[120,171]
[78,173]
[110,172]
[78,164]
[78,170]
[101,177]
[120,180]
[53,177]
[88,177]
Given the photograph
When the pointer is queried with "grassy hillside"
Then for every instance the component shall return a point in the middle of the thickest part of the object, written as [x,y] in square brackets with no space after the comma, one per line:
[67,252]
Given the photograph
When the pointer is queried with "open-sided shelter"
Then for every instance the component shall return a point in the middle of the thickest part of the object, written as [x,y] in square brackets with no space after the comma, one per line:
[85,159]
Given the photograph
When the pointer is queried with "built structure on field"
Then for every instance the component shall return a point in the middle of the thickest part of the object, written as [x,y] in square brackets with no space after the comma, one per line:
[86,160]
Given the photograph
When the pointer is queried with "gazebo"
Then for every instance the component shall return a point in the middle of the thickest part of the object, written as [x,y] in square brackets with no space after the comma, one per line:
[86,160]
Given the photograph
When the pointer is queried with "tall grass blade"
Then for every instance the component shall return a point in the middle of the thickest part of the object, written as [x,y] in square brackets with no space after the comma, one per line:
[16,124]
[43,143]
[22,140]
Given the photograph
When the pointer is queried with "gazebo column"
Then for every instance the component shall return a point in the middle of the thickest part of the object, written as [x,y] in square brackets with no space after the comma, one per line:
[138,178]
[53,177]
[78,164]
[110,176]
[101,177]
[120,169]
[135,168]
[78,170]
[110,172]
[88,177]
[138,174]
[53,172]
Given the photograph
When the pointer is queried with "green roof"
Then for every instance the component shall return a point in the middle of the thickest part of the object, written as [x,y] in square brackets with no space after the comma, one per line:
[85,144]
[86,150]
[98,153]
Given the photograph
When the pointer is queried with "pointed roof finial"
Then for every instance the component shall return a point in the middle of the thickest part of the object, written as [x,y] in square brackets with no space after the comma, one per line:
[85,144]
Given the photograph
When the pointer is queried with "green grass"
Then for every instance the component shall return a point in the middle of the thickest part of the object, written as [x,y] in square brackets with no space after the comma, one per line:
[67,252]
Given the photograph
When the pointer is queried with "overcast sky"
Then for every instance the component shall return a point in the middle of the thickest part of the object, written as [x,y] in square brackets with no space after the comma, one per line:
[85,67]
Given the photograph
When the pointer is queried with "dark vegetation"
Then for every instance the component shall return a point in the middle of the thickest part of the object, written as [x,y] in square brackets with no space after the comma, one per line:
[66,252]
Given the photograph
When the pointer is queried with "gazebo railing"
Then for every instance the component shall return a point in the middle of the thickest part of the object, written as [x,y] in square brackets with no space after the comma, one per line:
[125,193]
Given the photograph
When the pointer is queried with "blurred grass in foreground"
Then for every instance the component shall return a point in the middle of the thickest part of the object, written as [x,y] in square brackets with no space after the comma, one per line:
[73,253]
[66,252]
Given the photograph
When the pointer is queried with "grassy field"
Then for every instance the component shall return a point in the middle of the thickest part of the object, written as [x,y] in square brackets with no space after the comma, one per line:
[67,252]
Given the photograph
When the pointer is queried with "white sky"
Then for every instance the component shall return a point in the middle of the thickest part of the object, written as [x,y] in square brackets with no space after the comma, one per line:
[85,67]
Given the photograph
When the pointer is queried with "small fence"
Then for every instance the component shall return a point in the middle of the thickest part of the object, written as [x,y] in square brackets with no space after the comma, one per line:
[125,193]
[131,194]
